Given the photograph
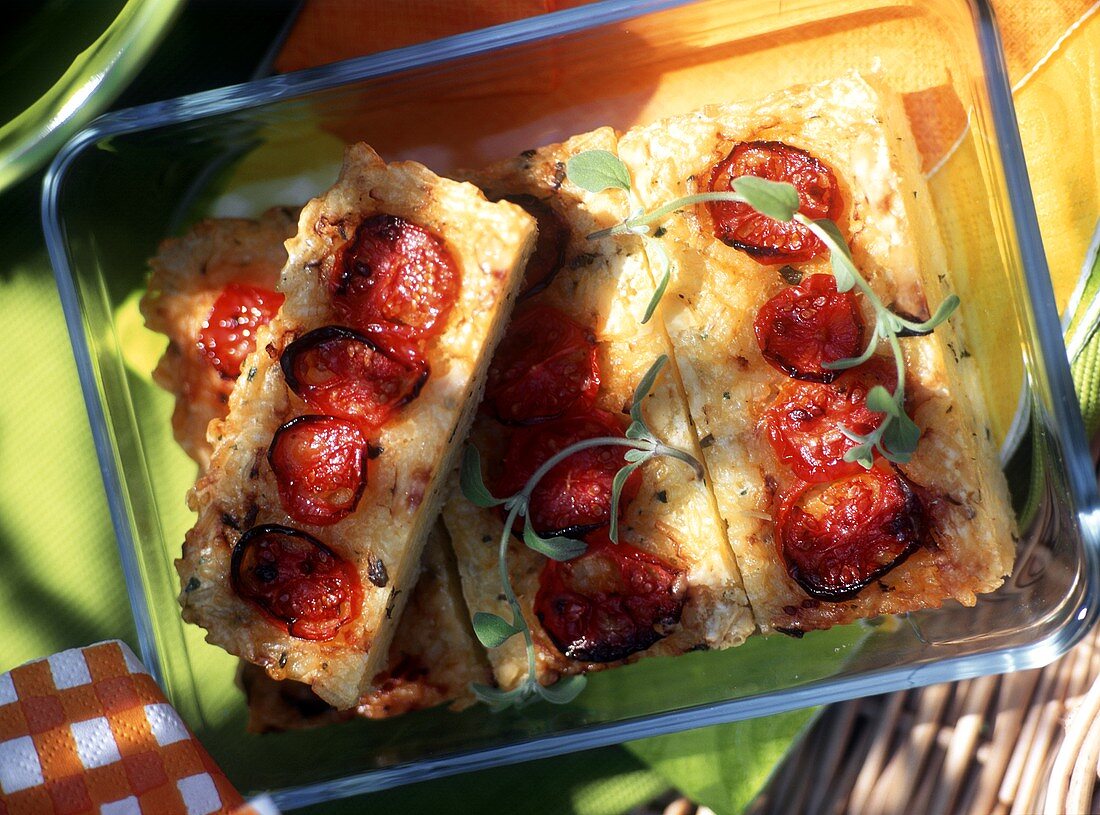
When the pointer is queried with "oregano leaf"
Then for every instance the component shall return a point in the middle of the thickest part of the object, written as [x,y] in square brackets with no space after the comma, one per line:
[658,293]
[470,480]
[556,547]
[645,386]
[634,455]
[598,170]
[496,698]
[564,690]
[637,430]
[882,401]
[861,453]
[775,199]
[617,484]
[946,309]
[492,630]
[835,240]
[842,272]
[900,438]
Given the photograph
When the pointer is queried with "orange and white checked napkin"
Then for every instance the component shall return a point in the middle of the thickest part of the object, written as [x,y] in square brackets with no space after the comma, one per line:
[89,731]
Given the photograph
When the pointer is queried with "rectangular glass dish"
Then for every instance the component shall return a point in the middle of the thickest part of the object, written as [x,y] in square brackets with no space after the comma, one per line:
[137,176]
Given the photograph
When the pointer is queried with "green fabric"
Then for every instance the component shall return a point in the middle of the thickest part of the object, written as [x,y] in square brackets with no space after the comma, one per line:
[724,767]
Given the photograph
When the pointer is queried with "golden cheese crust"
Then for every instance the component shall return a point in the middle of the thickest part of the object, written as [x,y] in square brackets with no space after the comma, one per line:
[861,132]
[489,243]
[605,286]
[433,659]
[188,275]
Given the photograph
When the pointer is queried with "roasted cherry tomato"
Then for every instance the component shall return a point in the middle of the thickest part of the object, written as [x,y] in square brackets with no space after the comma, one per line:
[397,274]
[807,325]
[805,420]
[545,366]
[295,580]
[320,465]
[574,498]
[228,334]
[765,239]
[353,375]
[837,538]
[611,602]
[553,239]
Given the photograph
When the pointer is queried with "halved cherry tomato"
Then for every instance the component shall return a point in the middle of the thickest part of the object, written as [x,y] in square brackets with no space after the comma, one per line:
[553,239]
[611,602]
[320,466]
[228,334]
[807,325]
[837,538]
[544,367]
[765,239]
[574,498]
[353,375]
[395,273]
[804,422]
[295,580]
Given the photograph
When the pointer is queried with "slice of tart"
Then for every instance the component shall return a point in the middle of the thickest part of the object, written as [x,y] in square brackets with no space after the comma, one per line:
[325,477]
[218,282]
[566,371]
[755,317]
[209,292]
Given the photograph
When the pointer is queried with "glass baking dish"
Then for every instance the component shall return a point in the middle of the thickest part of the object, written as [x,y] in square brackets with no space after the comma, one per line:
[139,175]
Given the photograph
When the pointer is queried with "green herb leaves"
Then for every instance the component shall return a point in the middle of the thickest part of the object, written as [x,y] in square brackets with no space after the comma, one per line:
[598,170]
[774,199]
[493,630]
[897,436]
[469,479]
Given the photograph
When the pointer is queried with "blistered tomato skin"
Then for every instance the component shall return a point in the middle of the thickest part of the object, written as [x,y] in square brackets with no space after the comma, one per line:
[396,274]
[804,422]
[806,326]
[228,334]
[553,239]
[295,580]
[766,240]
[838,538]
[545,367]
[352,375]
[320,467]
[574,498]
[609,603]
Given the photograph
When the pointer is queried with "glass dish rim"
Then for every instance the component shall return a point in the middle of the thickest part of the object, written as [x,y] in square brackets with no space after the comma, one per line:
[1066,414]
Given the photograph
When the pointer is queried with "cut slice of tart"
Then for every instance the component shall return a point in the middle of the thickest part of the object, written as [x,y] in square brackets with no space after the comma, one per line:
[209,292]
[566,371]
[754,316]
[326,474]
[433,657]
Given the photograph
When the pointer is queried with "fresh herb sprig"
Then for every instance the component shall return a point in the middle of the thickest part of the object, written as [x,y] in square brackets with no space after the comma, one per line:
[492,629]
[896,436]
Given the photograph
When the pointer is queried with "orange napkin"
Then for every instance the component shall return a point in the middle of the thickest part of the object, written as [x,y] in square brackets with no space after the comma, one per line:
[88,730]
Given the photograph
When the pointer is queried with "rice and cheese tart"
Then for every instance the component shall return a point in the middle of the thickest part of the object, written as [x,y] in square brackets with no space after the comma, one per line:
[795,510]
[434,659]
[208,272]
[209,291]
[326,474]
[567,369]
